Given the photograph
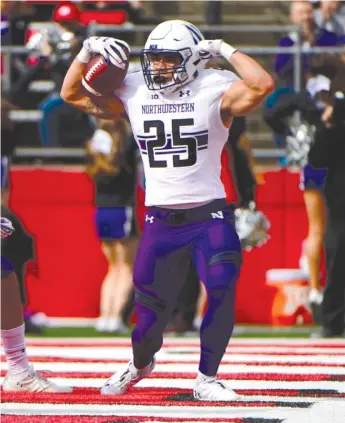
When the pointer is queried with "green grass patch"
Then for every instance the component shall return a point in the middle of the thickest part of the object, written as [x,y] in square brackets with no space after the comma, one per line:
[250,331]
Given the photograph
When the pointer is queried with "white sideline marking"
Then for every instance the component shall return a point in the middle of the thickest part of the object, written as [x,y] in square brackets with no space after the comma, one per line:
[189,383]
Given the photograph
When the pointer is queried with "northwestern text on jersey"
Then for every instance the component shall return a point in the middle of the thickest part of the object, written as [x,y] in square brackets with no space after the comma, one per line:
[167,108]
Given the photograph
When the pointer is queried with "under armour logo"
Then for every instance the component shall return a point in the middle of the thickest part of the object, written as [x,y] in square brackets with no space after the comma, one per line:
[185,93]
[154,96]
[217,215]
[149,218]
[153,46]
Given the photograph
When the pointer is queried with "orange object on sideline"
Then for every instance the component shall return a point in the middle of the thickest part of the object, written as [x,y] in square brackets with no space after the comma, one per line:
[290,305]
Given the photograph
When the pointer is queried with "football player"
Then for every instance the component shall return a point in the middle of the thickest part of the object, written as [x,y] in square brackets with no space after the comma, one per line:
[180,115]
[21,376]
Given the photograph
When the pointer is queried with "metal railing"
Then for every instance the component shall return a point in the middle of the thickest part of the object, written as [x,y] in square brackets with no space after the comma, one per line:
[39,153]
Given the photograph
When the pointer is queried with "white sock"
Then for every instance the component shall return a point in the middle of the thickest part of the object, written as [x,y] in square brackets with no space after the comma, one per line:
[201,377]
[14,346]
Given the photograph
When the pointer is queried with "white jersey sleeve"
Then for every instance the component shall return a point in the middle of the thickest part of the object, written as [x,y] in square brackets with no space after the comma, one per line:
[222,79]
[216,82]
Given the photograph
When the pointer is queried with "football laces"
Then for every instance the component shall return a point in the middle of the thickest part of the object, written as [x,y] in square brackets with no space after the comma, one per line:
[96,68]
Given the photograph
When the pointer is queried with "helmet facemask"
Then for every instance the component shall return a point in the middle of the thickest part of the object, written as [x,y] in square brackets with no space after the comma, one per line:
[171,77]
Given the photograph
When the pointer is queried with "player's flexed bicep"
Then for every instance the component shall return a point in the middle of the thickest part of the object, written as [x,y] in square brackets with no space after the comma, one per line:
[245,95]
[73,91]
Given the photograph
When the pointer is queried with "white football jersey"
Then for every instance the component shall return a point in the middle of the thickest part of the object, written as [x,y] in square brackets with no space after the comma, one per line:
[180,135]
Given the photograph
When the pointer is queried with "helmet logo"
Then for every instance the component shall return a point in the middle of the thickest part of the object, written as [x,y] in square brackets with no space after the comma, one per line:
[154,46]
[196,36]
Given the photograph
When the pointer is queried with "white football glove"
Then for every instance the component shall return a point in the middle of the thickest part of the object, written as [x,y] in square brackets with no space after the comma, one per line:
[252,227]
[212,48]
[110,48]
[6,227]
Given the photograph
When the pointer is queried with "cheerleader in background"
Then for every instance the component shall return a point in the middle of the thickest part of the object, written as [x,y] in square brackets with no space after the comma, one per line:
[113,167]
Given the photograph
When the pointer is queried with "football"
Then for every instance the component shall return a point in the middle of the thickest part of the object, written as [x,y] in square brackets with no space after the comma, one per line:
[101,78]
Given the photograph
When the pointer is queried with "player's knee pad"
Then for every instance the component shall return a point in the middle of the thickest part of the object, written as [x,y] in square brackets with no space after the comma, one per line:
[148,299]
[150,325]
[223,270]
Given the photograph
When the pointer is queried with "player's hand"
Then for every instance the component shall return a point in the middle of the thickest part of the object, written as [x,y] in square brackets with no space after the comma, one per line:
[6,227]
[110,48]
[209,47]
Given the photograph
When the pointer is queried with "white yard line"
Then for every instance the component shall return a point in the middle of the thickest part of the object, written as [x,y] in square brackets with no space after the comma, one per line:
[193,340]
[322,412]
[112,353]
[130,410]
[187,368]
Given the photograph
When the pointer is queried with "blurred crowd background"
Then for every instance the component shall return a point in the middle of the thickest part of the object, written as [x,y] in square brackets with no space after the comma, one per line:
[40,39]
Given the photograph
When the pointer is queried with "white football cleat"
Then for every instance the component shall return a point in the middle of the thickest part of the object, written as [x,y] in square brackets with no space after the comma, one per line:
[34,382]
[211,389]
[120,383]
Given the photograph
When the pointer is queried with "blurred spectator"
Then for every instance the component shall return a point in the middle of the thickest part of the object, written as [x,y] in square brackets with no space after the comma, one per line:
[112,166]
[302,14]
[326,16]
[313,104]
[328,152]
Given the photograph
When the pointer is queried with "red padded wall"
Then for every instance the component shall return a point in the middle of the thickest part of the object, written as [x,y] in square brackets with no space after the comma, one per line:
[56,206]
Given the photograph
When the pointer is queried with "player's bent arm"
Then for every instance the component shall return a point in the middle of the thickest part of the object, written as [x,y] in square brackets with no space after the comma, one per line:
[74,93]
[245,95]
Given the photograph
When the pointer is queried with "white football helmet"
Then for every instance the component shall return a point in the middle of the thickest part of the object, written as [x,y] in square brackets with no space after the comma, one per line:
[173,37]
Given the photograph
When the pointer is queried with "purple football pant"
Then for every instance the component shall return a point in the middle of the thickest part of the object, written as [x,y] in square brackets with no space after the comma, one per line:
[171,239]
